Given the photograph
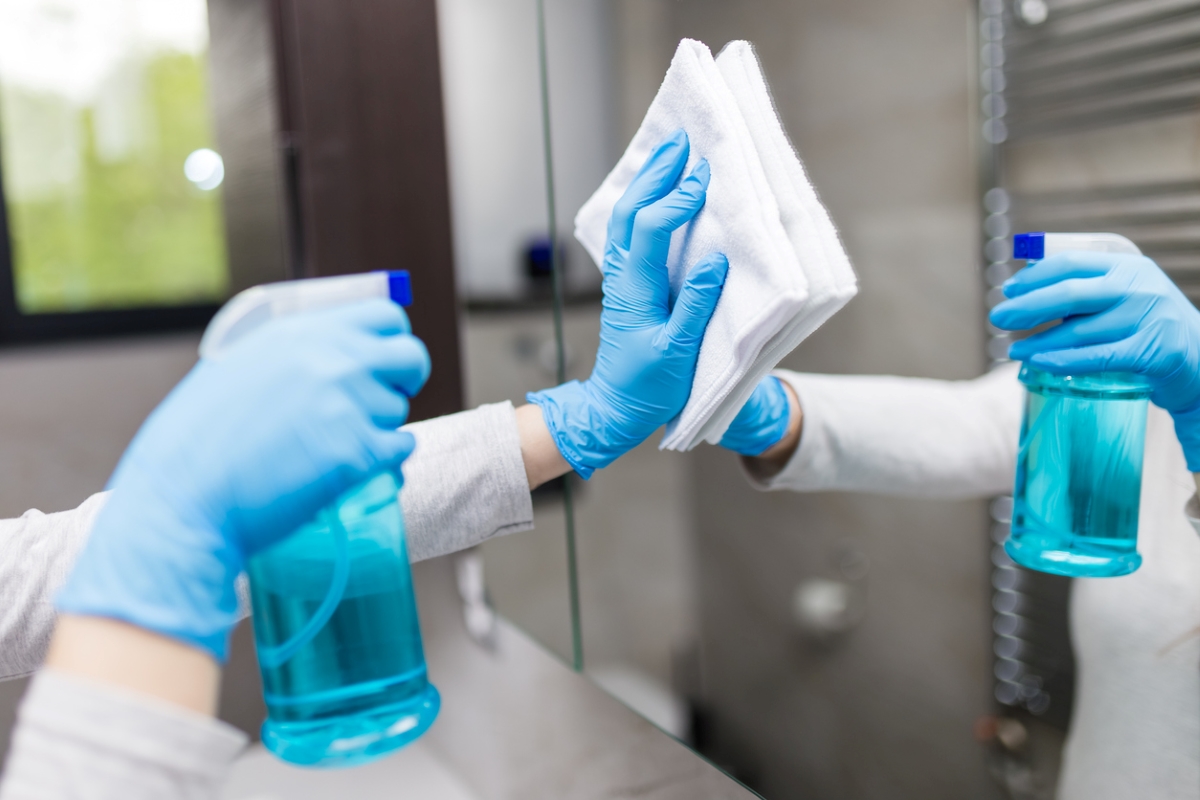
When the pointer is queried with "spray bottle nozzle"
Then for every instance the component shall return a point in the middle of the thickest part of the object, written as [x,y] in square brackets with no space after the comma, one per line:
[1039,245]
[1030,246]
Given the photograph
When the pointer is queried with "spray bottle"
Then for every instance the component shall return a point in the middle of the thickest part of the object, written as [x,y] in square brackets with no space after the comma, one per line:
[1079,463]
[335,618]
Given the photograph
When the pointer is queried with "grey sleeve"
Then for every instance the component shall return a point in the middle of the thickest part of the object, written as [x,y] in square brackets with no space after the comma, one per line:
[904,436]
[465,482]
[37,552]
[77,739]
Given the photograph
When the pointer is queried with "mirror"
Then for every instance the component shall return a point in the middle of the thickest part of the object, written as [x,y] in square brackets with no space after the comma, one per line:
[876,641]
[810,629]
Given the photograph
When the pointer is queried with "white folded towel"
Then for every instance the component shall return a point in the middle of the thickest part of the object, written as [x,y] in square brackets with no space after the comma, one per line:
[788,272]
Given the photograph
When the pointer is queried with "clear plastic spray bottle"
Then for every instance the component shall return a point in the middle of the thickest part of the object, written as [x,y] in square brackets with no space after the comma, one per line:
[1079,463]
[335,617]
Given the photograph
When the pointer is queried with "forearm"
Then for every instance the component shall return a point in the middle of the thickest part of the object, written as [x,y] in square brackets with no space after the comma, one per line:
[542,459]
[119,654]
[466,481]
[901,436]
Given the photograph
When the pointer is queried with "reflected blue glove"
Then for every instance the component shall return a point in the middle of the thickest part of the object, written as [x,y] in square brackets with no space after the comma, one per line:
[239,455]
[648,350]
[1119,313]
[762,422]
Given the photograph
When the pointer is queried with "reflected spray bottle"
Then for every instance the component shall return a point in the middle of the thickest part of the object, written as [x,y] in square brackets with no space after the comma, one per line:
[1079,462]
[335,617]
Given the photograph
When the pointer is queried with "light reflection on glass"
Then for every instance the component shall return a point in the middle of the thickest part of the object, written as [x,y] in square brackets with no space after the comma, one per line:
[205,169]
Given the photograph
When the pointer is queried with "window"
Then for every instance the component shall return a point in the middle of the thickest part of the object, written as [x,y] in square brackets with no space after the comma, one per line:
[110,172]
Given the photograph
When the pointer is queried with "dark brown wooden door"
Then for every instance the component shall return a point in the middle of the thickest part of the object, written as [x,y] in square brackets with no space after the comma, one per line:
[364,149]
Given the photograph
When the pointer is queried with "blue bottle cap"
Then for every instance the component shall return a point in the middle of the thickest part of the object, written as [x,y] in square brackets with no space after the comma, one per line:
[400,287]
[1030,246]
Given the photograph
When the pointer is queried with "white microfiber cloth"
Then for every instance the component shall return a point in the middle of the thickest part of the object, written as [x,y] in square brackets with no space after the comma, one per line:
[787,270]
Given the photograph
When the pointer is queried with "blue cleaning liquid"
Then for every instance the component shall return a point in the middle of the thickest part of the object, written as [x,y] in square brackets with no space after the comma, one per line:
[1079,474]
[339,643]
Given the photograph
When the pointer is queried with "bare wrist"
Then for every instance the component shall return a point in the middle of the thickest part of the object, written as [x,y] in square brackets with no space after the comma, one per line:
[136,659]
[542,459]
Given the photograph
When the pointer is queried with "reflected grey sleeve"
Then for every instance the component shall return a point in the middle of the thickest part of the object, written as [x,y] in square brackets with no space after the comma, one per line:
[37,552]
[465,482]
[904,436]
[1192,511]
[78,739]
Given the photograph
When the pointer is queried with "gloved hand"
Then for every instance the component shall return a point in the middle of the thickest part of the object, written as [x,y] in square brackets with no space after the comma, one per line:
[762,422]
[648,350]
[1119,313]
[241,453]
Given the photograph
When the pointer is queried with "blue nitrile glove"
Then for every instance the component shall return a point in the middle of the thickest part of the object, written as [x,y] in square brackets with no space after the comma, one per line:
[762,422]
[648,350]
[1119,313]
[241,453]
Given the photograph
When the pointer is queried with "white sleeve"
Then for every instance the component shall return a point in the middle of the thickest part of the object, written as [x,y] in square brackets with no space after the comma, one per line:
[465,482]
[37,552]
[904,436]
[80,740]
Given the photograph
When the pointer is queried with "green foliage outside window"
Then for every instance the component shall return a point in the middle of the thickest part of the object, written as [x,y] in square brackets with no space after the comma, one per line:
[100,213]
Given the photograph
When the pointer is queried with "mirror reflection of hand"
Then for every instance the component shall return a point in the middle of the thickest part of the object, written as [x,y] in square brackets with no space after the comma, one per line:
[648,347]
[1119,313]
[762,422]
